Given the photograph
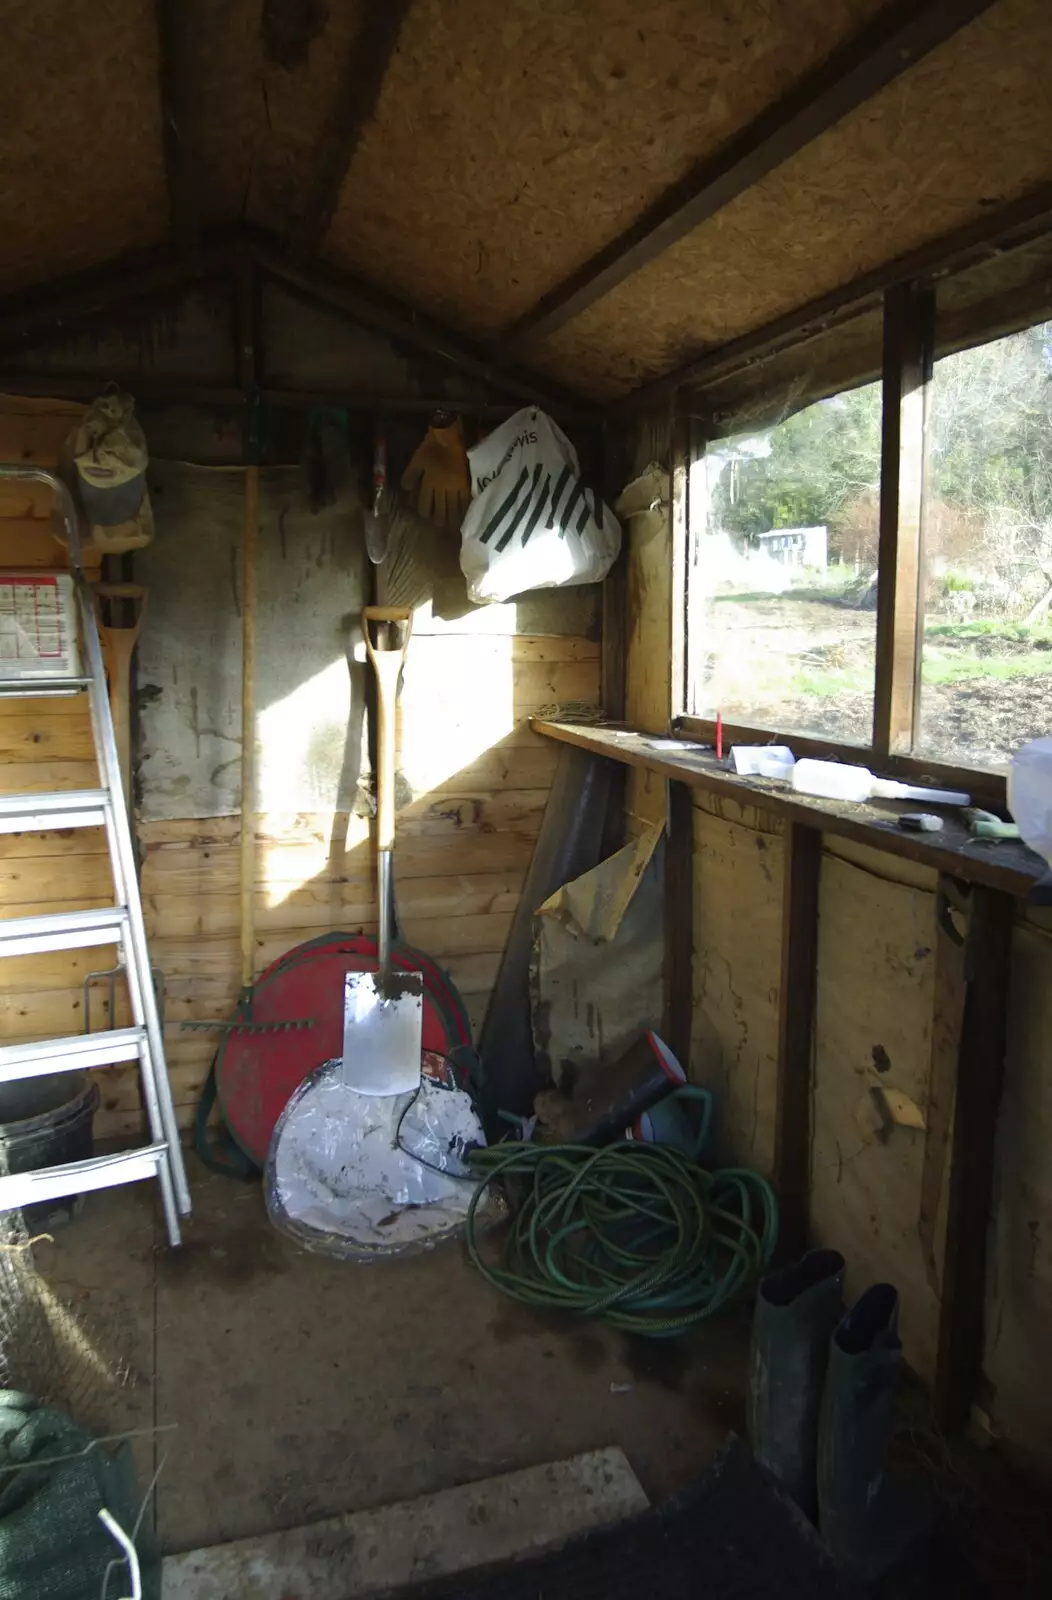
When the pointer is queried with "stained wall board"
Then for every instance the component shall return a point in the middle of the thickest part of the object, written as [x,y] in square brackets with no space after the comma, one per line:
[873,1031]
[1019,1286]
[184,334]
[737,940]
[311,588]
[306,344]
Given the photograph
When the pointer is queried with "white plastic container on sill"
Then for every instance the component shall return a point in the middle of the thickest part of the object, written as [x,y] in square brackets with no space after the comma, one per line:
[763,760]
[832,780]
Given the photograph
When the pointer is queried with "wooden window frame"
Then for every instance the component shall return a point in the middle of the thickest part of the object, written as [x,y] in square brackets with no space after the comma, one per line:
[907,365]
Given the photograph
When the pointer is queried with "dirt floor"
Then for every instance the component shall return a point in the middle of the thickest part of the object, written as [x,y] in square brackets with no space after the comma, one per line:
[274,1388]
[806,666]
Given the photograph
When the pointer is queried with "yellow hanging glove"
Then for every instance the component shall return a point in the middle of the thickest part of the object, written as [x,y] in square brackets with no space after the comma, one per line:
[438,475]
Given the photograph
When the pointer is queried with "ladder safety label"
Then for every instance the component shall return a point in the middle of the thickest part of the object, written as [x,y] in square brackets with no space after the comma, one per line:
[37,632]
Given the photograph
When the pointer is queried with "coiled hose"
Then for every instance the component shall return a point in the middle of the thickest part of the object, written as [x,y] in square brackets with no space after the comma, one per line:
[636,1235]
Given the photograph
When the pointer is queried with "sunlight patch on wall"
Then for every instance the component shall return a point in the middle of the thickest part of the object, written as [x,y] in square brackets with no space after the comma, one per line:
[305,745]
[457,701]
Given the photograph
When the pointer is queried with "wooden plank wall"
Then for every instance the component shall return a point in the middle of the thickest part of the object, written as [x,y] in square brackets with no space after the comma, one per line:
[738,864]
[462,855]
[480,781]
[875,986]
[463,846]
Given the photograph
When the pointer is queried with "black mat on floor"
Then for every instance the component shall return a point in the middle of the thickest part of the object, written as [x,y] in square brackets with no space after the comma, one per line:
[730,1536]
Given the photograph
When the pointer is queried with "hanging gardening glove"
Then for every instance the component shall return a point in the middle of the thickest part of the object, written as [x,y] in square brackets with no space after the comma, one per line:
[438,475]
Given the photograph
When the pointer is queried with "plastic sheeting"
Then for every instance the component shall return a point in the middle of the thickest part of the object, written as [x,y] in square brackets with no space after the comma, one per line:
[365,1177]
[598,959]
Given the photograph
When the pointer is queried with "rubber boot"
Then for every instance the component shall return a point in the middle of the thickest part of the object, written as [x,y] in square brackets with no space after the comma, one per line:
[797,1309]
[867,1523]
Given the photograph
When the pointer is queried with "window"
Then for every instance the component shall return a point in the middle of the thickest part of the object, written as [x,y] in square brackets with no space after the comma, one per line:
[783,584]
[986,665]
[783,560]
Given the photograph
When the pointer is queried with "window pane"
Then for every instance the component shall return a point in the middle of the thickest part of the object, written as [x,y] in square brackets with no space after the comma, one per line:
[986,671]
[782,583]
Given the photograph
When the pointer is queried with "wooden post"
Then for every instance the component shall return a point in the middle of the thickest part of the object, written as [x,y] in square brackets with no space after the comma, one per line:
[247,360]
[953,909]
[796,1007]
[980,1074]
[614,646]
[679,923]
[909,334]
[679,494]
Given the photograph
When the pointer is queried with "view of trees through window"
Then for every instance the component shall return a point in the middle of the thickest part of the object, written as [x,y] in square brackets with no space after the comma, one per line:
[784,573]
[987,661]
[783,593]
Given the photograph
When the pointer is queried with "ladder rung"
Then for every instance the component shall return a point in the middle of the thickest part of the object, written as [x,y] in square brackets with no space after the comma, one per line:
[19,1189]
[34,688]
[35,813]
[77,1053]
[64,930]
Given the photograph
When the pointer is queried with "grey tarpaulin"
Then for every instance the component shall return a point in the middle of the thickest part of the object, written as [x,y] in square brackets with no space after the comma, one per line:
[568,844]
[54,1478]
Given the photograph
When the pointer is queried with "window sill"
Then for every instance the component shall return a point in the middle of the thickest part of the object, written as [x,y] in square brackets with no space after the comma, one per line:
[1008,866]
[987,788]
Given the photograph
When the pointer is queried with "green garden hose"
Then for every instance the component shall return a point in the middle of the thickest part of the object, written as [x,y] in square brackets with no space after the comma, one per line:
[636,1235]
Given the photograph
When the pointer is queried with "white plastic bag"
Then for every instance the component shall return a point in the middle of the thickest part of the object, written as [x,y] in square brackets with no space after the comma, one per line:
[532,524]
[1030,795]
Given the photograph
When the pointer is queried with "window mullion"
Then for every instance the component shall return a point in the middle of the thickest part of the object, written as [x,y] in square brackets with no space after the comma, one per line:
[909,339]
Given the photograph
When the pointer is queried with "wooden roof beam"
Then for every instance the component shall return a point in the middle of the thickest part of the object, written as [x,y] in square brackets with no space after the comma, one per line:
[180,124]
[67,302]
[900,35]
[353,109]
[150,390]
[369,306]
[994,233]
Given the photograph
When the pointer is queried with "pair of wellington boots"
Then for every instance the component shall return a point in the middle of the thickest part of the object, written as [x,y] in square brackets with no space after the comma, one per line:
[820,1402]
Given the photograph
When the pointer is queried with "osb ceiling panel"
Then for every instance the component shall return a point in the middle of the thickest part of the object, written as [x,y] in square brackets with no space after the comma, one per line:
[267,73]
[81,164]
[512,142]
[966,129]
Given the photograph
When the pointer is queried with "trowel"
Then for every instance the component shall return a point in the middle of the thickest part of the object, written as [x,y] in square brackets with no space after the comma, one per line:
[377,515]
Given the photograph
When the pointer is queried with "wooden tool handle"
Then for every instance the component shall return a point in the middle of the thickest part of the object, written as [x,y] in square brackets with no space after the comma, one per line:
[118,647]
[124,591]
[388,660]
[248,727]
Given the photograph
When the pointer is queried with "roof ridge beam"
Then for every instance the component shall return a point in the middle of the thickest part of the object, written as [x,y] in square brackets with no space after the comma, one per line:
[353,109]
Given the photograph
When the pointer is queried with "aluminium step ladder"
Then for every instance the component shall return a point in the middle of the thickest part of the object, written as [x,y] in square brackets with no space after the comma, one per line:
[120,924]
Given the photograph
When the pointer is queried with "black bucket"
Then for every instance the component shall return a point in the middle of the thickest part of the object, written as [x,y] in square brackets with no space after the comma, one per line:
[45,1122]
